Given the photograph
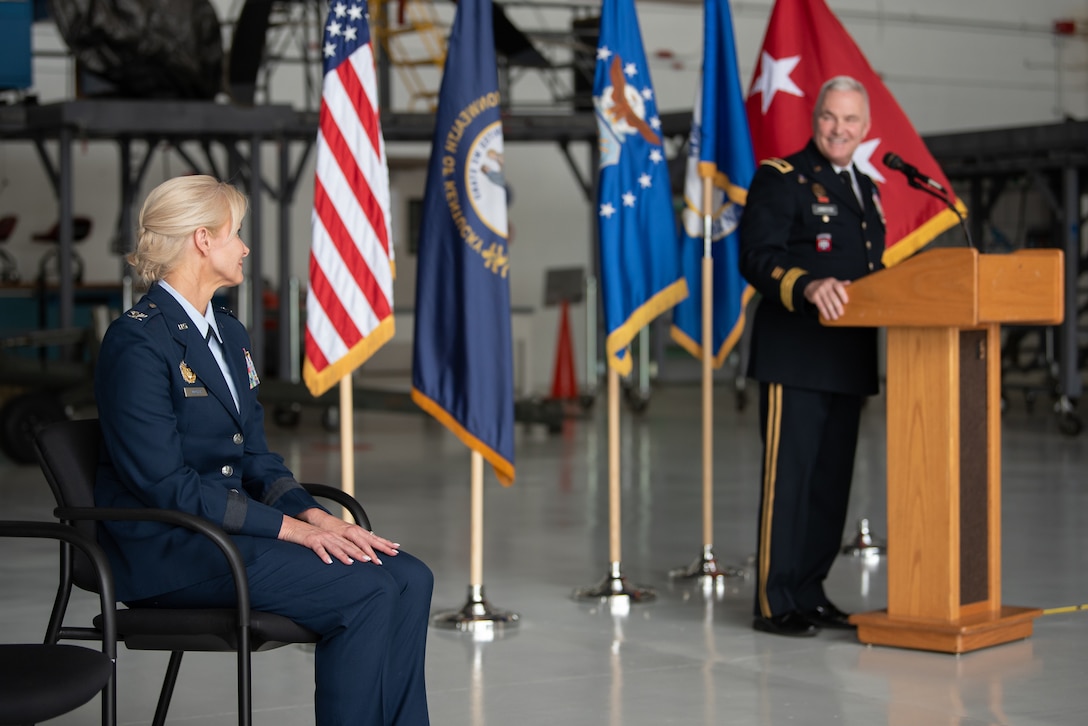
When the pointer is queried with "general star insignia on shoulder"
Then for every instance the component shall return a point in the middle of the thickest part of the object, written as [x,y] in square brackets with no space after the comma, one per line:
[187,373]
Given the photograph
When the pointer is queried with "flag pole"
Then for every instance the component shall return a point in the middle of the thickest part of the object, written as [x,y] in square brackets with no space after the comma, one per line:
[614,519]
[708,370]
[706,564]
[347,441]
[476,616]
[614,587]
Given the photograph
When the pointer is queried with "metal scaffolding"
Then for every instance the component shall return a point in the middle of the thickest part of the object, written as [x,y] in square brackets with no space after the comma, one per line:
[1051,160]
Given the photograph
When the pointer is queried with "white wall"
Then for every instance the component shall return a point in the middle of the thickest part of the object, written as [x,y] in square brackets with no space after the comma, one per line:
[952,66]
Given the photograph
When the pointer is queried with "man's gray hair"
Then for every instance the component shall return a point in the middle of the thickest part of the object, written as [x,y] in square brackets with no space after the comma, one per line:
[838,83]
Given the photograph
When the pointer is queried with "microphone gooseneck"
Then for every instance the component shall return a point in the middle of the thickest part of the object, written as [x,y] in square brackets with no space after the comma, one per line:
[918,180]
[894,161]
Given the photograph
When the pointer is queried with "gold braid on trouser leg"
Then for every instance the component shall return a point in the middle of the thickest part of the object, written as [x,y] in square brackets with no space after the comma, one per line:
[770,472]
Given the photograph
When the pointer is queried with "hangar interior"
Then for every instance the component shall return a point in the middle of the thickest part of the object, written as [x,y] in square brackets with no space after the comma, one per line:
[687,657]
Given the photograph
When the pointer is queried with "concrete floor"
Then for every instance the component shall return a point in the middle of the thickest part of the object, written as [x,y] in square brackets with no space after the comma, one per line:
[690,656]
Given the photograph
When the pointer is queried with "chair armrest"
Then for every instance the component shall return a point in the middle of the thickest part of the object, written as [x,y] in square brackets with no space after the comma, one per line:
[181,519]
[66,533]
[345,500]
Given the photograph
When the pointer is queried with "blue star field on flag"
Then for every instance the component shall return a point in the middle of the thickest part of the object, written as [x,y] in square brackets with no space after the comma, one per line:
[345,30]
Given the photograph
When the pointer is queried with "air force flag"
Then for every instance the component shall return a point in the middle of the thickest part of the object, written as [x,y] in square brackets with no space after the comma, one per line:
[640,270]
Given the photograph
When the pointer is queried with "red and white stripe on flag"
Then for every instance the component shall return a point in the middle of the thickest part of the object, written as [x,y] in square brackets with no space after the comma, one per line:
[349,305]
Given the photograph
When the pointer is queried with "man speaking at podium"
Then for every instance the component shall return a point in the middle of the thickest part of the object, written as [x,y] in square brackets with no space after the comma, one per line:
[812,224]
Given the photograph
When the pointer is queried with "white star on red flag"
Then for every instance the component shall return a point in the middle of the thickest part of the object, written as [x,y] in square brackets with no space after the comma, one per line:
[863,160]
[775,77]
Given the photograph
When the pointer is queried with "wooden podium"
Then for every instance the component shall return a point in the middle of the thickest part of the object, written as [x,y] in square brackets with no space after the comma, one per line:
[943,310]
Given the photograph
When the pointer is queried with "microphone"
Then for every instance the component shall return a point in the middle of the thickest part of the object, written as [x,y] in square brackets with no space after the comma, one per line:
[892,161]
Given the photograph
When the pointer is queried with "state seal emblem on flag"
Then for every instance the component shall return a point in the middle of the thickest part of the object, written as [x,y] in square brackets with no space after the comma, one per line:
[485,181]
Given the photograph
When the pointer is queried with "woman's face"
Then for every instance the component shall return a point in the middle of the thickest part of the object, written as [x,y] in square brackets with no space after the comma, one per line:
[226,253]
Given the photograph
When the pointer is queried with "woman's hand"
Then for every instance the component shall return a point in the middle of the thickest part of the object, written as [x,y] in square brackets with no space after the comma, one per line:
[330,537]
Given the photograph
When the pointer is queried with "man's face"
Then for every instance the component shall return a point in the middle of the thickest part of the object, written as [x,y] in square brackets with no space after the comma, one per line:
[841,125]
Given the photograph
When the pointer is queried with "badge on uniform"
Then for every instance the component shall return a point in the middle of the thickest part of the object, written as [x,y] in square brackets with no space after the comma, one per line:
[823,243]
[136,314]
[254,381]
[823,208]
[879,207]
[187,373]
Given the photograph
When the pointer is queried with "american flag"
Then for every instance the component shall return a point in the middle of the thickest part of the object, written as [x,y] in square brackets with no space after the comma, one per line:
[349,306]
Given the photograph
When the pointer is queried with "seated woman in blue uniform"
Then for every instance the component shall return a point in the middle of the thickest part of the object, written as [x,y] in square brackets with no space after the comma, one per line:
[182,429]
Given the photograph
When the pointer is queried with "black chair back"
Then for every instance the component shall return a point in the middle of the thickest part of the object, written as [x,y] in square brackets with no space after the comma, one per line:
[68,454]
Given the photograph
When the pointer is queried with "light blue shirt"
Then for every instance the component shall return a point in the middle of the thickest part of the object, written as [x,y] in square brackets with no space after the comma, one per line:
[204,323]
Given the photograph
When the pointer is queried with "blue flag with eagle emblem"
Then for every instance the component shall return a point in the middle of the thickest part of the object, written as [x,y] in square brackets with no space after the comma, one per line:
[640,263]
[462,362]
[720,149]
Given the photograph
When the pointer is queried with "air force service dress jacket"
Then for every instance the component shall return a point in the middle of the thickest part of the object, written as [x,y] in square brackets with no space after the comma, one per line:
[801,223]
[173,439]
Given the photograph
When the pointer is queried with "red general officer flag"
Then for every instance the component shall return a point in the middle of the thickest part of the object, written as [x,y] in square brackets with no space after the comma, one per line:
[806,45]
[349,305]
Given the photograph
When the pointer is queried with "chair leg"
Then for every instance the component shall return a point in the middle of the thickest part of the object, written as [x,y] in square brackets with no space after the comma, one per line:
[167,691]
[245,679]
[109,700]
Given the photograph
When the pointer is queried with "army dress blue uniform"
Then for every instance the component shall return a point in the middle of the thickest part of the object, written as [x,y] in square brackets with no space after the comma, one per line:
[802,222]
[174,438]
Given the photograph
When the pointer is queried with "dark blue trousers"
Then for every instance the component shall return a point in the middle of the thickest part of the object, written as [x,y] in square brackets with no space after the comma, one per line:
[372,619]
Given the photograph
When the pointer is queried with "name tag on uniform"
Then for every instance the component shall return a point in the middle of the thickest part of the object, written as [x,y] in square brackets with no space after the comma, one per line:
[825,210]
[195,392]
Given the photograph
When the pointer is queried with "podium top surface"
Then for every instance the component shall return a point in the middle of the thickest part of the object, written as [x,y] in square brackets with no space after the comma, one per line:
[959,288]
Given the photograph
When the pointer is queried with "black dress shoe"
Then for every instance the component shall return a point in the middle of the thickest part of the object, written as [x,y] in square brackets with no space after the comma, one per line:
[829,616]
[791,624]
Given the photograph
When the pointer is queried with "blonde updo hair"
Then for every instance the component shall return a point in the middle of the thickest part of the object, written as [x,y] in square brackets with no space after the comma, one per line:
[172,212]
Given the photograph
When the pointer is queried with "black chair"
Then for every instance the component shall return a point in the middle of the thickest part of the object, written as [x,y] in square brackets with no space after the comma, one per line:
[42,681]
[68,454]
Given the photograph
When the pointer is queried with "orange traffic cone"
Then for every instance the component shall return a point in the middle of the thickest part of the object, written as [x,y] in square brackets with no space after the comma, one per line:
[564,381]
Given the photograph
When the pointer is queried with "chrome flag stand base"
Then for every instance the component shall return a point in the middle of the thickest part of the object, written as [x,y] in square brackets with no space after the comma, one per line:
[706,565]
[615,588]
[863,544]
[477,616]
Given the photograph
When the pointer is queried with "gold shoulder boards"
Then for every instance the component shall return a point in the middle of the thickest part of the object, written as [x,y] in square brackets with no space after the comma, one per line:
[783,166]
